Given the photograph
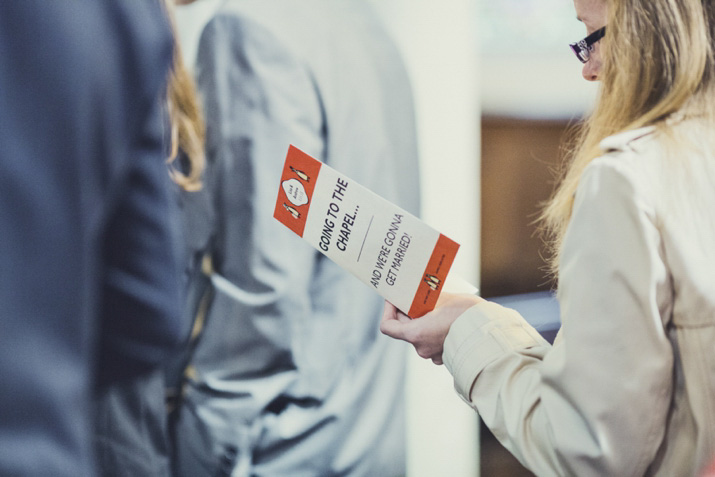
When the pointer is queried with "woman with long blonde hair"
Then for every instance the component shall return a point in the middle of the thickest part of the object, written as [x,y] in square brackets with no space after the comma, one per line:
[628,387]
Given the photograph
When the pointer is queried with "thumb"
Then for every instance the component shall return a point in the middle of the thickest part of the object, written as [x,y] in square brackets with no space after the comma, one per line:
[390,324]
[393,329]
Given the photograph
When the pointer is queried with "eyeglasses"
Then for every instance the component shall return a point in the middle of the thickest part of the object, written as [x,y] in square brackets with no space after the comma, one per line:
[583,48]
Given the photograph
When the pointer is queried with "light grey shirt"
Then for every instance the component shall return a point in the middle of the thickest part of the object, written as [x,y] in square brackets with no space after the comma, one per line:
[291,375]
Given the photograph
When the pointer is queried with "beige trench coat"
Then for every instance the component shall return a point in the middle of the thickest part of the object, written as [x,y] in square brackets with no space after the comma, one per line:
[628,388]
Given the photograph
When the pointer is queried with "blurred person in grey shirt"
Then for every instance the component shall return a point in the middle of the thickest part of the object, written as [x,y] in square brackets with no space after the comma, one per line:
[289,374]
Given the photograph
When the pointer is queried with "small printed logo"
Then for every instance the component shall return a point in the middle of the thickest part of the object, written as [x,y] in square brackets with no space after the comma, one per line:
[300,174]
[432,281]
[292,210]
[295,191]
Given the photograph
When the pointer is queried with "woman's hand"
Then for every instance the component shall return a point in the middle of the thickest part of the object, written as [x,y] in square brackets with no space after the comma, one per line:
[427,333]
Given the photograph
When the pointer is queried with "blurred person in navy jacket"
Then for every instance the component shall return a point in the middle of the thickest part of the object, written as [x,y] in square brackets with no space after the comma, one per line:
[88,274]
[130,417]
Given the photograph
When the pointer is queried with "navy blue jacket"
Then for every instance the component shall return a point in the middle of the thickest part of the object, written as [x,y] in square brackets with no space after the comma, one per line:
[88,275]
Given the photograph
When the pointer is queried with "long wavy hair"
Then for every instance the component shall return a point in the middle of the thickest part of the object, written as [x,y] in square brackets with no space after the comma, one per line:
[658,60]
[188,131]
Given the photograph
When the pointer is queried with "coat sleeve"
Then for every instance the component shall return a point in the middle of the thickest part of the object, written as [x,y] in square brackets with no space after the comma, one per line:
[141,299]
[596,403]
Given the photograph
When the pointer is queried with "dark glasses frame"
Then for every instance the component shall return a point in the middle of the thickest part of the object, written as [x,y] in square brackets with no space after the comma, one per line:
[583,48]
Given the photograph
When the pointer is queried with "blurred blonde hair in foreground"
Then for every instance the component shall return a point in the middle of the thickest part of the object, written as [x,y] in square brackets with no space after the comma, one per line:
[185,117]
[658,60]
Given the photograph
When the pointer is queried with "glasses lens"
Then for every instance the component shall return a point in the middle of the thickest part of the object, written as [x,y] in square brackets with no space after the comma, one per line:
[580,51]
[583,48]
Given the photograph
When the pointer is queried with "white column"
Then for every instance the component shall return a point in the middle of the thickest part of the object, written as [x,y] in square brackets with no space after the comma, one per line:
[438,40]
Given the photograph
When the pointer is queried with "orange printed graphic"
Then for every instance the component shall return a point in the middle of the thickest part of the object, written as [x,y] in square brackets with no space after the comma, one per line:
[300,173]
[434,275]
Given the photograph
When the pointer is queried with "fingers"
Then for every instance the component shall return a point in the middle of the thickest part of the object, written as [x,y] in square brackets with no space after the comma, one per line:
[426,334]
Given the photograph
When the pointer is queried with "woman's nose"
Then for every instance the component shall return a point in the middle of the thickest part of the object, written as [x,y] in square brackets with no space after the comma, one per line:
[591,69]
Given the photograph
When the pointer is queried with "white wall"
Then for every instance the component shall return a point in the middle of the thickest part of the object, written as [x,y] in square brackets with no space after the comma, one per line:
[438,40]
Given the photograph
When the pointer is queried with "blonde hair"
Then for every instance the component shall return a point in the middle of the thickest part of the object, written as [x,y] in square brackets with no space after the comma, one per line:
[658,60]
[185,117]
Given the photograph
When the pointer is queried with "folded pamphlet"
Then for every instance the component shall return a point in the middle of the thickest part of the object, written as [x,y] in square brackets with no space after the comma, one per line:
[405,260]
